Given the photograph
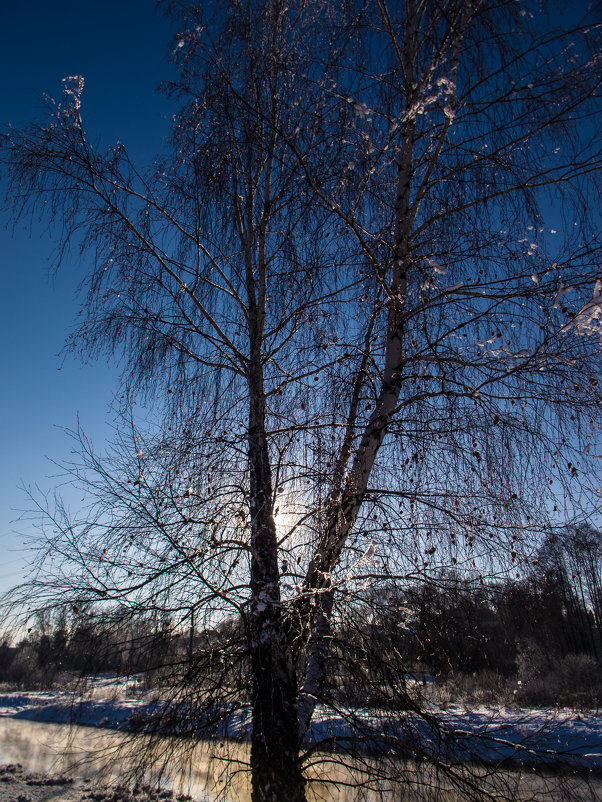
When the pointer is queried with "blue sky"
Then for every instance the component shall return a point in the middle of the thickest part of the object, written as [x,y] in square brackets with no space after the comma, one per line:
[120,47]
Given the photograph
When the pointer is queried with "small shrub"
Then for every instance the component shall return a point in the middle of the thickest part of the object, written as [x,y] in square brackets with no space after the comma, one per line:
[479,688]
[571,681]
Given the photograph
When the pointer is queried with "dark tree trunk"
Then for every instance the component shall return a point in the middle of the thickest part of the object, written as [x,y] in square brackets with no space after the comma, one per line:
[275,742]
[276,773]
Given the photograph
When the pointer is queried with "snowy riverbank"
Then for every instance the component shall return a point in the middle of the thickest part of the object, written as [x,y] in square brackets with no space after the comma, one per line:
[529,736]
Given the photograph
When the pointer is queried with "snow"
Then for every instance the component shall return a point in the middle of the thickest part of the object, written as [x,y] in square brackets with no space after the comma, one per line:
[589,318]
[520,735]
[560,293]
[493,734]
[62,708]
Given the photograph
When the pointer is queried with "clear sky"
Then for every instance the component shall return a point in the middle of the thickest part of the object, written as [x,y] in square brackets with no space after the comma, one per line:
[120,47]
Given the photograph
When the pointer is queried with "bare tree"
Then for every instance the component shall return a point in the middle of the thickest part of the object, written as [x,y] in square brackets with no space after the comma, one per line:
[569,560]
[451,162]
[342,286]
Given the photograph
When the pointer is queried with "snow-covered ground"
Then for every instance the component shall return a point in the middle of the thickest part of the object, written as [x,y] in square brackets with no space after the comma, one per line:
[539,736]
[493,734]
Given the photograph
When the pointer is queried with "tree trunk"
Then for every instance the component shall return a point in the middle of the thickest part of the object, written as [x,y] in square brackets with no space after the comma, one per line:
[275,742]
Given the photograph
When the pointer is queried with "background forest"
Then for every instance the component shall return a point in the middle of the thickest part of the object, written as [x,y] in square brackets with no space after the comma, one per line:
[532,642]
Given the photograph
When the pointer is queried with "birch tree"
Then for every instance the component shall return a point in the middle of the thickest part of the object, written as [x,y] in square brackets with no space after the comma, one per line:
[454,119]
[364,285]
[185,260]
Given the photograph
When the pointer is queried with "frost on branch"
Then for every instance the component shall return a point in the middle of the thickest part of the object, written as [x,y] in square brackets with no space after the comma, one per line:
[73,86]
[589,318]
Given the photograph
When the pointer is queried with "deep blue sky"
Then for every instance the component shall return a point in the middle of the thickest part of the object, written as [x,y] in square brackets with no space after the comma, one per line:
[120,47]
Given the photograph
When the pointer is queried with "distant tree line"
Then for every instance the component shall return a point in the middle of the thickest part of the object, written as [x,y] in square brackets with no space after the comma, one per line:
[538,627]
[536,640]
[459,625]
[87,642]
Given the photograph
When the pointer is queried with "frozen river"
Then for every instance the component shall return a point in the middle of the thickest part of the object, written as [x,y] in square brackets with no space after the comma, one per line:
[104,756]
[108,757]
